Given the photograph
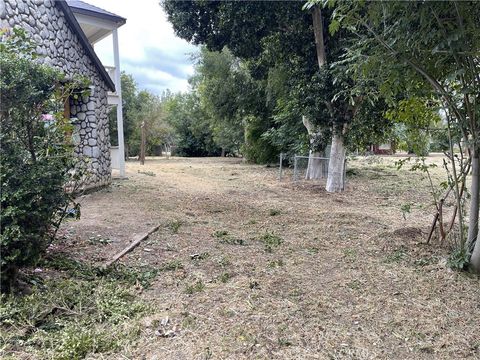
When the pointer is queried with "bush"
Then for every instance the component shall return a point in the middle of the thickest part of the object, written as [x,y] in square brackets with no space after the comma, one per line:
[36,156]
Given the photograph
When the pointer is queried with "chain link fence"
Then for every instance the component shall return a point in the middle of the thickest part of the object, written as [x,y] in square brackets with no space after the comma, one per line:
[295,168]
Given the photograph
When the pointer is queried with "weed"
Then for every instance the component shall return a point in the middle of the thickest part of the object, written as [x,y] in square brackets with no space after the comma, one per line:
[313,250]
[224,261]
[459,259]
[225,238]
[175,225]
[275,263]
[220,234]
[284,342]
[172,265]
[354,284]
[350,255]
[199,257]
[196,287]
[148,173]
[397,256]
[99,240]
[271,241]
[274,212]
[224,277]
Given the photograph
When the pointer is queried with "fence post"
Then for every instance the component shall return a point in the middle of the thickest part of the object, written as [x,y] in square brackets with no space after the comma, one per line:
[344,173]
[295,168]
[280,167]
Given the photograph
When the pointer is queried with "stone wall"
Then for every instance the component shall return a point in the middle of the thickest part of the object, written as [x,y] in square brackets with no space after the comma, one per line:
[59,47]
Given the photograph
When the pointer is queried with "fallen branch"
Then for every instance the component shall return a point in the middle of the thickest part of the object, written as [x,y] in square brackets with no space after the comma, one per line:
[136,240]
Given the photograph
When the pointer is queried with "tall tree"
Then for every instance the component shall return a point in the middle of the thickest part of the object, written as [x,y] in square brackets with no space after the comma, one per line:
[270,34]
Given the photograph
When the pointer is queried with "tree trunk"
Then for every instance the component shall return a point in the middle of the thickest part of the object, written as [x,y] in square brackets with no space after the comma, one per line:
[314,167]
[335,179]
[318,32]
[143,144]
[473,217]
[223,152]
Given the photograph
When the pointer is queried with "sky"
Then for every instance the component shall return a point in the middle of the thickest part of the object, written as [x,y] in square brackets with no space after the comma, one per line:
[149,49]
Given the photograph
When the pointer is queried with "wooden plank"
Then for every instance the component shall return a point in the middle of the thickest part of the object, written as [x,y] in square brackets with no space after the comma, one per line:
[136,240]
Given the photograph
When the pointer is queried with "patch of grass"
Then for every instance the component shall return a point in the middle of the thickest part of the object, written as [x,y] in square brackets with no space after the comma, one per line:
[220,234]
[148,173]
[396,256]
[200,257]
[350,255]
[313,250]
[224,261]
[225,238]
[175,225]
[71,318]
[225,277]
[195,288]
[99,240]
[354,284]
[276,263]
[274,212]
[271,241]
[172,265]
[143,275]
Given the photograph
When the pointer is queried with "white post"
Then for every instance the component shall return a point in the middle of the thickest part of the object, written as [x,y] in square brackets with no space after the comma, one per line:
[118,89]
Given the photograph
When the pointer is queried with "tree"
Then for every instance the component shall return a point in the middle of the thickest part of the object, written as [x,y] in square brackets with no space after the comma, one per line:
[427,48]
[280,34]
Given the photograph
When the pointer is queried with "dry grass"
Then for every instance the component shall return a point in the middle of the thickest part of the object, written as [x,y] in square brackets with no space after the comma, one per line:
[349,279]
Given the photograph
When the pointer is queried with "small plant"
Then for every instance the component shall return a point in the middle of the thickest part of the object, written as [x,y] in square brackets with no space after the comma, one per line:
[196,287]
[225,238]
[99,240]
[397,256]
[199,257]
[224,277]
[271,241]
[350,255]
[354,284]
[173,265]
[224,261]
[175,225]
[220,234]
[276,263]
[274,212]
[459,259]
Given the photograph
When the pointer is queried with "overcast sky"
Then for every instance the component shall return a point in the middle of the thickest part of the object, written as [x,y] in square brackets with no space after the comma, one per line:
[149,49]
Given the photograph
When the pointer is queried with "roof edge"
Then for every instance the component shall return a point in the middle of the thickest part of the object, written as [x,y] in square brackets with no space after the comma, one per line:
[72,21]
[115,19]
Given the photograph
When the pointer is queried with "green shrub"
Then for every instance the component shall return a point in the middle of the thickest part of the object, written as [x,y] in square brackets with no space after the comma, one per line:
[36,156]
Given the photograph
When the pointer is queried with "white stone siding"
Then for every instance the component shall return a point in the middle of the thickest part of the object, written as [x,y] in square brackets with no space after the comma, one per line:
[59,46]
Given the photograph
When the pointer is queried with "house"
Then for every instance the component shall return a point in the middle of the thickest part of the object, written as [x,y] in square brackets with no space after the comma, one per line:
[65,32]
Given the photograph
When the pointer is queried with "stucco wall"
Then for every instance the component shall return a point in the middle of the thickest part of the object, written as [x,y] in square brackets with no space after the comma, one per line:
[58,46]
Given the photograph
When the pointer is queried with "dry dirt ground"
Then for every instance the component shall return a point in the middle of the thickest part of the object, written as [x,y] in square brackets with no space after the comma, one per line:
[256,268]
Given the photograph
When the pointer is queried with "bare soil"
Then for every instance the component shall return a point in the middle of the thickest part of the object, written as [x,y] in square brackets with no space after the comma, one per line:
[256,268]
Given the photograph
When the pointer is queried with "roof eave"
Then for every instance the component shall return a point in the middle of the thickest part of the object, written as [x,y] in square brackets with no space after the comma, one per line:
[70,17]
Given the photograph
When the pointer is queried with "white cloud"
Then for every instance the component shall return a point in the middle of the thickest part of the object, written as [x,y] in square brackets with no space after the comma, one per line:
[149,49]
